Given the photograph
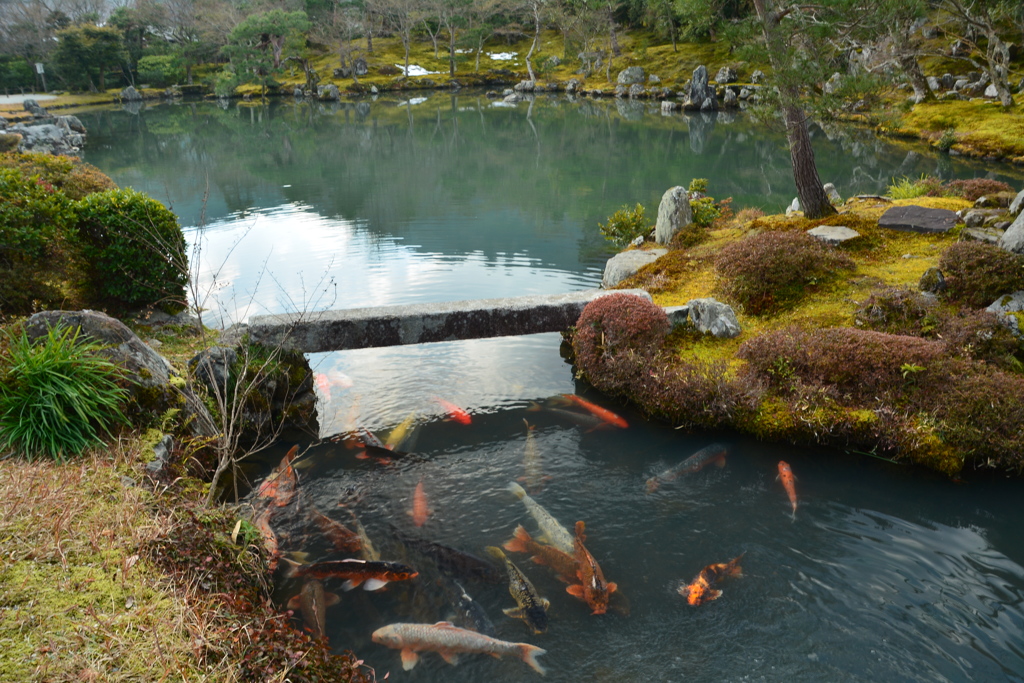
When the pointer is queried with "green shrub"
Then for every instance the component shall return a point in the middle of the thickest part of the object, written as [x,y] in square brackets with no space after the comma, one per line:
[898,310]
[160,71]
[905,188]
[625,225]
[978,273]
[699,185]
[34,220]
[73,177]
[705,211]
[770,270]
[134,247]
[57,396]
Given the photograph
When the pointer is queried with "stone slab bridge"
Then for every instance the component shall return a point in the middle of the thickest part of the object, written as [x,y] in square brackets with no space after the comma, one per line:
[361,328]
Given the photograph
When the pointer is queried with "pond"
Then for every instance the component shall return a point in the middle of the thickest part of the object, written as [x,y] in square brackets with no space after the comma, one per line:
[883,573]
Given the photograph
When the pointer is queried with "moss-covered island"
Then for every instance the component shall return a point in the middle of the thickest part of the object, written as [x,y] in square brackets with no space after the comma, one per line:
[839,345]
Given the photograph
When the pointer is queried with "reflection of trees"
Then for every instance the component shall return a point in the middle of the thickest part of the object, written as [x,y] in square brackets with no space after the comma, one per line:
[454,158]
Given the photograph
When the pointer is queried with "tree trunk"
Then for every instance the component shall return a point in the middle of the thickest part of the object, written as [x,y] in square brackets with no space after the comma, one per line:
[908,62]
[536,37]
[369,33]
[188,73]
[813,199]
[616,50]
[103,81]
[451,53]
[997,56]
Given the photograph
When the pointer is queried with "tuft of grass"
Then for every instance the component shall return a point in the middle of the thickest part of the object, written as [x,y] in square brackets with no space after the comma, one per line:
[57,396]
[905,188]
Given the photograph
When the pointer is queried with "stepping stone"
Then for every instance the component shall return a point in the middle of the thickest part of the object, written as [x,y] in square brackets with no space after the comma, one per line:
[833,235]
[918,219]
[983,235]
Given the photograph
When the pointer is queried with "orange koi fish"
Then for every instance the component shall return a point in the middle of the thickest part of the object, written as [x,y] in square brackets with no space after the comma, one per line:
[702,589]
[597,411]
[269,537]
[281,484]
[563,563]
[787,477]
[454,412]
[323,385]
[592,588]
[420,511]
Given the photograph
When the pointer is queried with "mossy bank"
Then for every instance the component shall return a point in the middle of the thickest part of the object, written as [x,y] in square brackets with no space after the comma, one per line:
[838,345]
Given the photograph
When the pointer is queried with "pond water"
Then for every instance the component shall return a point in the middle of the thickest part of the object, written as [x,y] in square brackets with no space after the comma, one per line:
[886,573]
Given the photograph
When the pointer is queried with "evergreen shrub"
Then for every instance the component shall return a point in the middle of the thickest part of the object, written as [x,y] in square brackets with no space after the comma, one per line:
[134,247]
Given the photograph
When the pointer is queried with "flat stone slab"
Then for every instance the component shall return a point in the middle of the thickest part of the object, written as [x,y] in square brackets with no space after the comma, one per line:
[918,219]
[625,264]
[983,235]
[833,234]
[361,328]
[1008,303]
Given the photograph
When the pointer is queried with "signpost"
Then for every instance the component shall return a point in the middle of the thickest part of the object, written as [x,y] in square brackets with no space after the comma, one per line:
[39,70]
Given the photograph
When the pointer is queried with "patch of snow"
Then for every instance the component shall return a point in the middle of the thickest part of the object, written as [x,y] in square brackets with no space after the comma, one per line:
[502,56]
[416,70]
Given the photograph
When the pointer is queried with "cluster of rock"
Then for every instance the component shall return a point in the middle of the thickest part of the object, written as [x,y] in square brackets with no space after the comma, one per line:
[974,84]
[46,134]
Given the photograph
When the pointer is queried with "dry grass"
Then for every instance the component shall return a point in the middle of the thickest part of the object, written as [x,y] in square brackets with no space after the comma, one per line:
[77,601]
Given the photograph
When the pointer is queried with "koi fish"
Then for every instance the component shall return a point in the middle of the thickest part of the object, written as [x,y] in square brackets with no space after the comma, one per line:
[452,561]
[420,511]
[454,412]
[592,588]
[281,484]
[597,411]
[533,476]
[552,532]
[404,433]
[469,610]
[341,537]
[715,453]
[312,603]
[269,537]
[373,575]
[702,589]
[449,641]
[550,556]
[368,552]
[382,456]
[531,607]
[323,385]
[582,419]
[787,477]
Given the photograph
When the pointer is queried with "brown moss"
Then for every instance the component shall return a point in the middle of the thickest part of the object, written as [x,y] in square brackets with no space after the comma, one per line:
[977,273]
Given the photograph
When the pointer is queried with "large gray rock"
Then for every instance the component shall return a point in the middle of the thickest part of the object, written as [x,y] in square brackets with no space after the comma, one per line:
[1017,204]
[72,124]
[757,77]
[833,194]
[1013,238]
[130,94]
[360,67]
[48,138]
[726,74]
[700,95]
[625,264]
[730,100]
[1008,303]
[631,75]
[918,219]
[32,107]
[674,214]
[932,280]
[150,373]
[833,235]
[714,317]
[328,92]
[636,91]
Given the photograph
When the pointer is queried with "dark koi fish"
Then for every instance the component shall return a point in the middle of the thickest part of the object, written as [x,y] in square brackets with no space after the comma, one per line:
[373,575]
[452,561]
[468,611]
[531,607]
[312,603]
[702,589]
[715,453]
[341,537]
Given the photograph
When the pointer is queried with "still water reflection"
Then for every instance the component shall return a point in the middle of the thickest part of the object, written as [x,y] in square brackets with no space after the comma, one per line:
[886,574]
